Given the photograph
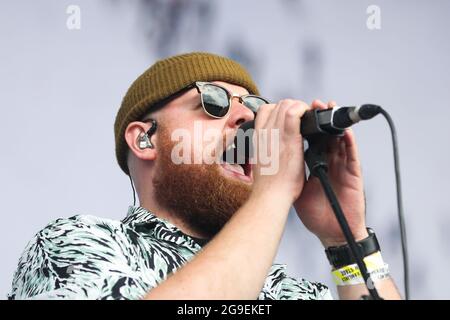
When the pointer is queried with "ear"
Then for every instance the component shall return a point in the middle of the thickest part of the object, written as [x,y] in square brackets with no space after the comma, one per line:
[133,132]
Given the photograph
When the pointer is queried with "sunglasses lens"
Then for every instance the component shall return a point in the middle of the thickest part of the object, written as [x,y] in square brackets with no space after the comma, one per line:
[254,102]
[215,100]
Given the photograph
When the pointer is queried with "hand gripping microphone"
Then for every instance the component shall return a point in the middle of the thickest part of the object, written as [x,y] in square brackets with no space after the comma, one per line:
[329,121]
[314,123]
[316,126]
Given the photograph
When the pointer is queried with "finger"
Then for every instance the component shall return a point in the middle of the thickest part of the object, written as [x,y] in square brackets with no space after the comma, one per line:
[333,145]
[342,149]
[282,109]
[293,117]
[331,104]
[351,149]
[335,157]
[263,115]
[318,104]
[261,119]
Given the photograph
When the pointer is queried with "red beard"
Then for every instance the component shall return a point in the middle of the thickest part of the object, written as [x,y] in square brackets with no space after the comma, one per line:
[199,194]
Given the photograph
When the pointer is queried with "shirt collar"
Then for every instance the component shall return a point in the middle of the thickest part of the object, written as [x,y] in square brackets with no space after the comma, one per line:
[144,221]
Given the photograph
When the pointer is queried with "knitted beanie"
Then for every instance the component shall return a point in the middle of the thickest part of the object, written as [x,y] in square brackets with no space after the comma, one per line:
[167,77]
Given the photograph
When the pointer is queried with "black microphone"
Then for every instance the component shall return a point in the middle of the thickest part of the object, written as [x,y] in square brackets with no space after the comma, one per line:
[329,121]
[315,122]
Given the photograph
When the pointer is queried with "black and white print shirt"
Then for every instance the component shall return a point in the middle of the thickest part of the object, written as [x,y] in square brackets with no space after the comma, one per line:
[85,257]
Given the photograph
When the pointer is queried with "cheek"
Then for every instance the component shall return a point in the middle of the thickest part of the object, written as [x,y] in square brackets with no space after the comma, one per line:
[199,138]
[206,143]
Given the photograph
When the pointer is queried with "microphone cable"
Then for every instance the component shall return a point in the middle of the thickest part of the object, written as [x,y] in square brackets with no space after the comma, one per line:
[134,191]
[401,218]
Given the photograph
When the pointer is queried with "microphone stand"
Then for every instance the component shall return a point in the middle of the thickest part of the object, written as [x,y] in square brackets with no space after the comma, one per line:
[316,159]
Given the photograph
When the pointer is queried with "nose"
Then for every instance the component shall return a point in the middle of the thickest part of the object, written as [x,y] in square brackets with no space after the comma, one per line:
[239,114]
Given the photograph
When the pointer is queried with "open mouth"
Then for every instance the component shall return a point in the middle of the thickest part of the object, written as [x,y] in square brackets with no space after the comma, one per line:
[236,164]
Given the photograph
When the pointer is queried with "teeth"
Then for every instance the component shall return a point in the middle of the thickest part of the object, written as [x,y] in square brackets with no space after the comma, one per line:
[231,146]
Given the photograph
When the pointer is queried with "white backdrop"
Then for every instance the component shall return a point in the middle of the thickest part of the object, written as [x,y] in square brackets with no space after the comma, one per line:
[60,90]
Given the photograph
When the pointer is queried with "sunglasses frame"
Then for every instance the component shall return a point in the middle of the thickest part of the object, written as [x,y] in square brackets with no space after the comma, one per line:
[200,84]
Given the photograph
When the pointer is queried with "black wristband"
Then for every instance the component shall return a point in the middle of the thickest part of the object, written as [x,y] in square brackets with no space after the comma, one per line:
[341,256]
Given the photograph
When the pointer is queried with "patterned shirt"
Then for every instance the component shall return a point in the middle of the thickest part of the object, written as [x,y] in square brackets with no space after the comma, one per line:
[85,257]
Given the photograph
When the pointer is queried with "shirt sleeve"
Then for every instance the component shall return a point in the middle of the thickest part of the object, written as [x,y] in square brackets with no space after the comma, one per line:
[279,286]
[83,258]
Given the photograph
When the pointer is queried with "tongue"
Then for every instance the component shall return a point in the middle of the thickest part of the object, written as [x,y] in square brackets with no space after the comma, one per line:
[234,167]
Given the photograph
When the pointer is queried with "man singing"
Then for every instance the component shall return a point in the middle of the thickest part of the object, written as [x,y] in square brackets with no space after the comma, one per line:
[206,229]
